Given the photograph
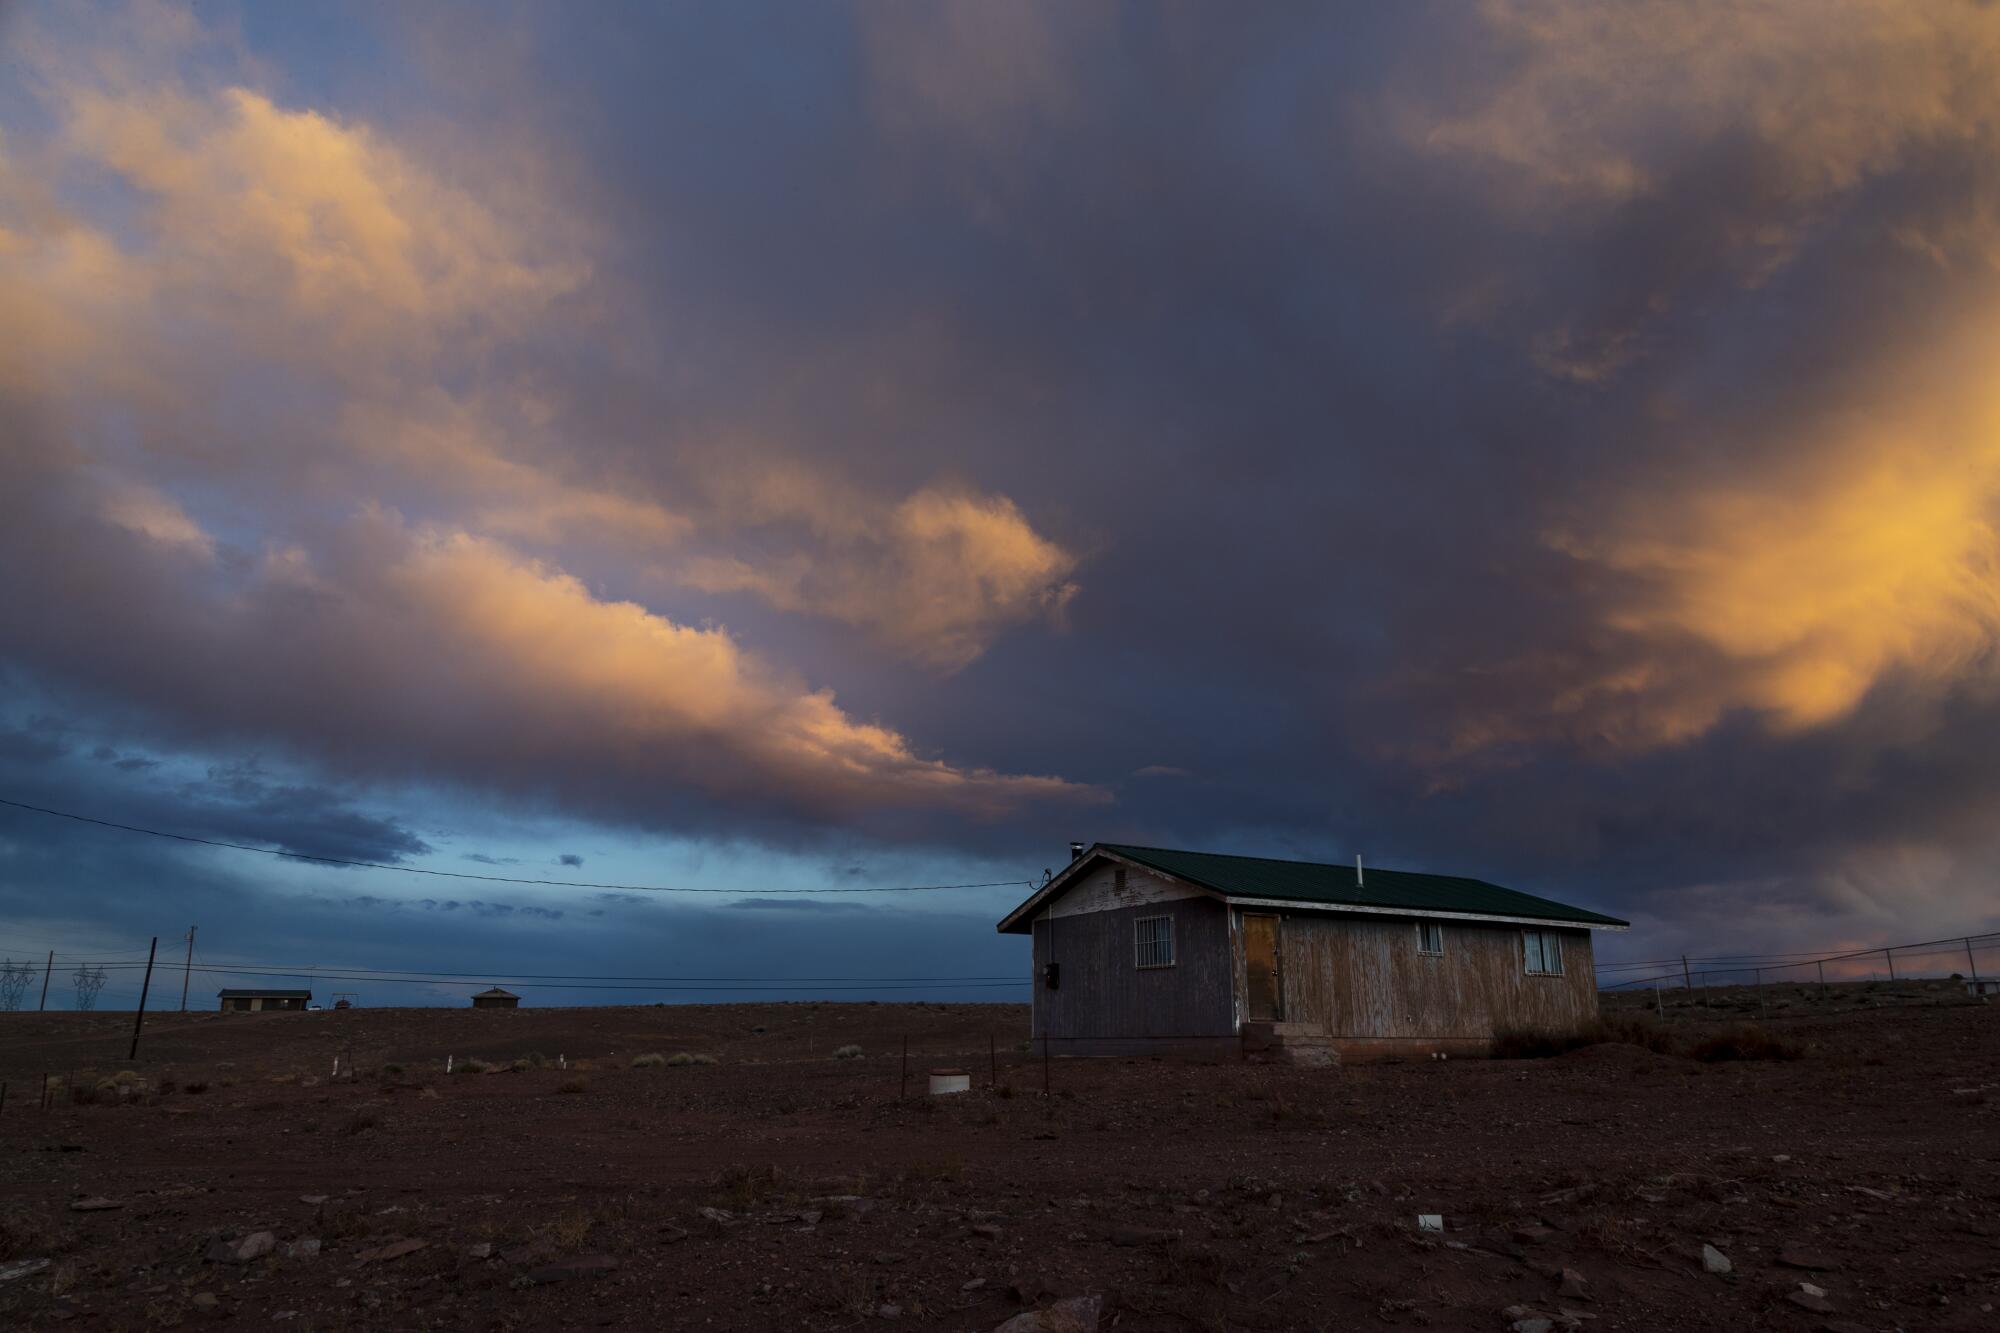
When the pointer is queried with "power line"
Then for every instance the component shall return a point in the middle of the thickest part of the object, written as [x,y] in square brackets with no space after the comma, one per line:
[417,976]
[497,879]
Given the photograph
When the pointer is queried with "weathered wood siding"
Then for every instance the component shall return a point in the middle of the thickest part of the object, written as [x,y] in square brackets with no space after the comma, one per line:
[1362,978]
[1111,886]
[1106,995]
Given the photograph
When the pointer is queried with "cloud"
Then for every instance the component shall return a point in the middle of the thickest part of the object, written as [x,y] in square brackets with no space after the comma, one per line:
[315,326]
[569,859]
[800,905]
[939,574]
[1781,555]
[1593,105]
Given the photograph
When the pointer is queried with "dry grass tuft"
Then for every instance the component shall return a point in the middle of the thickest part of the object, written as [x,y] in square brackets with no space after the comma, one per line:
[1745,1041]
[573,1085]
[847,1053]
[652,1061]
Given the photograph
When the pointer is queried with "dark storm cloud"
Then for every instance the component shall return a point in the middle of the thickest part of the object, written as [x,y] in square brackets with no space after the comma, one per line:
[800,905]
[569,859]
[1307,431]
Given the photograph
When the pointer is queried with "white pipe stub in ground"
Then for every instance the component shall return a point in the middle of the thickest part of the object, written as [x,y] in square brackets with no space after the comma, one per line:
[950,1080]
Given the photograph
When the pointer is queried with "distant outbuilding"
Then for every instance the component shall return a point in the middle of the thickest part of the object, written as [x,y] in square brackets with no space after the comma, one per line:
[249,1001]
[1982,987]
[496,999]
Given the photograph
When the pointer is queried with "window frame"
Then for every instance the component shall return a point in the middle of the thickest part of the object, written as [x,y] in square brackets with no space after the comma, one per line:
[1425,927]
[1140,944]
[1544,940]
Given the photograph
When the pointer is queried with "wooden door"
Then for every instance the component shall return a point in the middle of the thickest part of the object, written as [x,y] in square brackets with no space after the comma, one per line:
[1260,968]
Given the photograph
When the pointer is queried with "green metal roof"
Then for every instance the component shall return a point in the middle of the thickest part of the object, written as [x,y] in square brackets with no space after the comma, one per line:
[1306,882]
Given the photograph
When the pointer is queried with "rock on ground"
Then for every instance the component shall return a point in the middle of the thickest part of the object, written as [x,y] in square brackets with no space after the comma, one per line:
[1078,1314]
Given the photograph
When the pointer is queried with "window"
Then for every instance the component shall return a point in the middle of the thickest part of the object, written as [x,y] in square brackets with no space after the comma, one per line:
[1154,938]
[1430,937]
[1544,952]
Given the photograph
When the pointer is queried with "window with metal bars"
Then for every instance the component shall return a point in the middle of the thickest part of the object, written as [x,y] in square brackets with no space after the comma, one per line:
[1154,941]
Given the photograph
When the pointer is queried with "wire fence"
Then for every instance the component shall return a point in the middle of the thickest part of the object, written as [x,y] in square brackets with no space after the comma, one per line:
[1973,959]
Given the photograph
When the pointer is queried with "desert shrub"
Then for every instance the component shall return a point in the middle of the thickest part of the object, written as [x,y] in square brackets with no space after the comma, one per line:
[573,1085]
[392,1071]
[568,1231]
[364,1119]
[284,1078]
[472,1066]
[1745,1041]
[653,1061]
[1515,1042]
[1636,1030]
[740,1186]
[682,1059]
[847,1053]
[197,1086]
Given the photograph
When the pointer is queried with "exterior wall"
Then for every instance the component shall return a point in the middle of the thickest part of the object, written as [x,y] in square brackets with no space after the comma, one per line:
[495,1002]
[1364,981]
[1108,1004]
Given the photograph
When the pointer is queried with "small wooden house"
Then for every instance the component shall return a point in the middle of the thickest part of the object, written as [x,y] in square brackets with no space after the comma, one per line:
[495,998]
[242,1000]
[1142,950]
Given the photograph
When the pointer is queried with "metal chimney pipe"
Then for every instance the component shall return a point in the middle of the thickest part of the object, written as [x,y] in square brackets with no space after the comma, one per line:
[1358,881]
[1075,850]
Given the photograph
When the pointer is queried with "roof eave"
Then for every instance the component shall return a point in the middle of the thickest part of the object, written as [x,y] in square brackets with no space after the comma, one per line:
[1373,909]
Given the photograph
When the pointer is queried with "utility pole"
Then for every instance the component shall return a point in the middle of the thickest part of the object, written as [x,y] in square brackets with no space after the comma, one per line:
[145,988]
[186,969]
[1971,962]
[1686,980]
[47,968]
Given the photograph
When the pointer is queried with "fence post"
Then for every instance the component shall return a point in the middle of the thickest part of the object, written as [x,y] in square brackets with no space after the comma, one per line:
[1891,960]
[1686,979]
[1658,1003]
[1820,963]
[145,989]
[1970,961]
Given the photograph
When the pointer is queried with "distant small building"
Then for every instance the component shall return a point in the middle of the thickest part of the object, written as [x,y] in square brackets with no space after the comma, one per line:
[496,999]
[250,1001]
[1982,986]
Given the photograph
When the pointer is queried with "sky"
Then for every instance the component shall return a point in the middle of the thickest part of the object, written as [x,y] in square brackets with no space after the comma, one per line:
[755,449]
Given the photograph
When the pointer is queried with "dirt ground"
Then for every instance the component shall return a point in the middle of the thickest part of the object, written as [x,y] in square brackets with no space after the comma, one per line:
[783,1188]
